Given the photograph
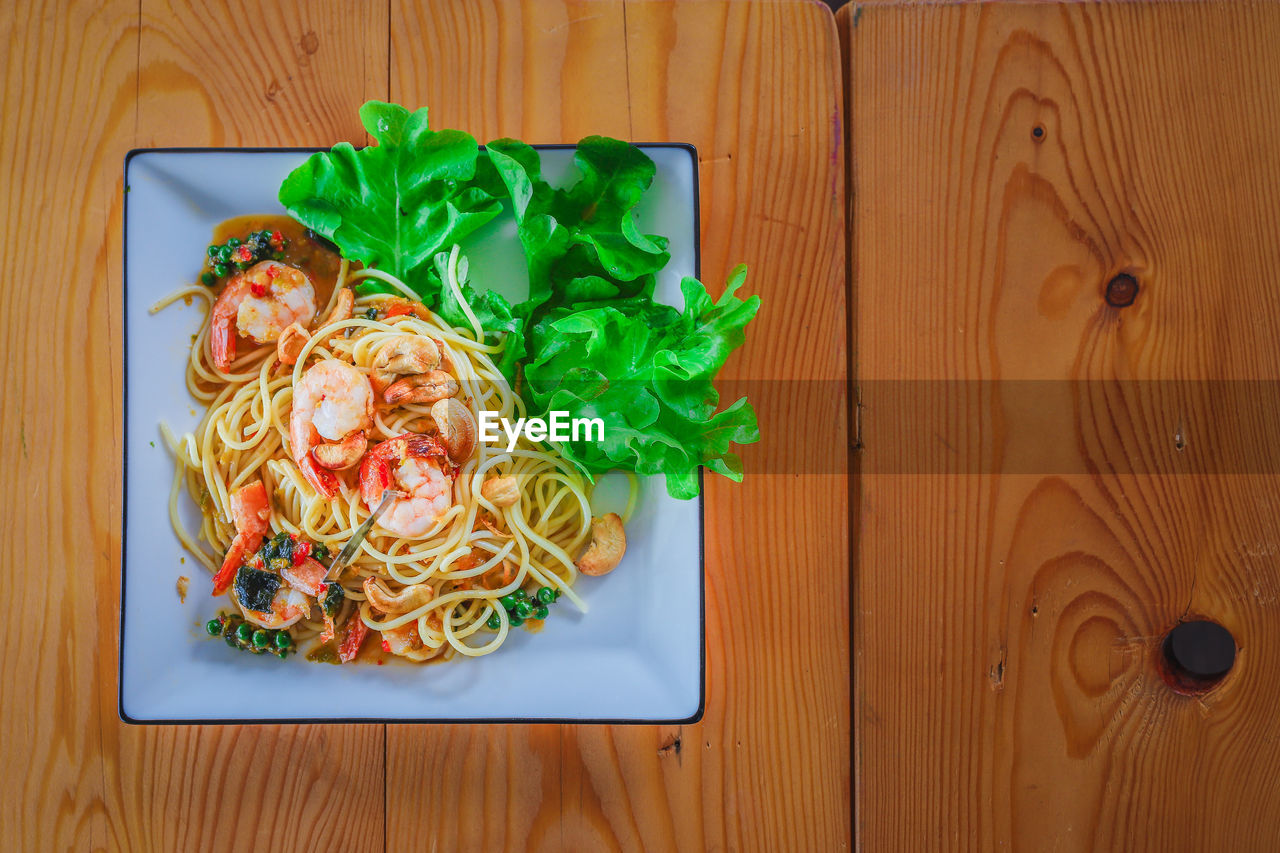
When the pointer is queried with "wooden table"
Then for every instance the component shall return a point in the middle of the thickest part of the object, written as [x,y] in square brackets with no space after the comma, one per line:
[1049,482]
[756,86]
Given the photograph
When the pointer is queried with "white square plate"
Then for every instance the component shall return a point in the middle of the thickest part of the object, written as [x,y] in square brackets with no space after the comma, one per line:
[636,657]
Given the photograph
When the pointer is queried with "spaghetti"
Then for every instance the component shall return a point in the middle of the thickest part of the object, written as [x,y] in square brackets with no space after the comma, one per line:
[468,559]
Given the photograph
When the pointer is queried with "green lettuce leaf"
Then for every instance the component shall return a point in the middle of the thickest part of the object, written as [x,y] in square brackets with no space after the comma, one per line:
[582,244]
[394,205]
[647,373]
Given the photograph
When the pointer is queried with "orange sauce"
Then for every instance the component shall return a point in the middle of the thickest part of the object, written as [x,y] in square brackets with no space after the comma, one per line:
[370,653]
[309,255]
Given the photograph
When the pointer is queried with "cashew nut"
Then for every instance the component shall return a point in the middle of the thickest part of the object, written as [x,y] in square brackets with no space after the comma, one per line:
[291,342]
[446,361]
[501,491]
[421,388]
[341,308]
[457,428]
[408,599]
[343,454]
[403,355]
[608,544]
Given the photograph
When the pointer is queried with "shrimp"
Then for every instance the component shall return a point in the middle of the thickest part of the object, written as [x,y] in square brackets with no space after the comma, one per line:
[405,640]
[295,337]
[331,403]
[407,643]
[259,303]
[415,464]
[287,607]
[250,512]
[309,577]
[356,632]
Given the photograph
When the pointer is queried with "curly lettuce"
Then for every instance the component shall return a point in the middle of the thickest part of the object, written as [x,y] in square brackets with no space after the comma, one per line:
[582,244]
[647,373]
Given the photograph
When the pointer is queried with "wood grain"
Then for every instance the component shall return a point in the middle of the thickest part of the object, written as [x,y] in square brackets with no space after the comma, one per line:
[1012,592]
[65,128]
[756,88]
[188,788]
[84,83]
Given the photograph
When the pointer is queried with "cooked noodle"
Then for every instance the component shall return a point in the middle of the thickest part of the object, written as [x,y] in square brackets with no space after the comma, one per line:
[474,553]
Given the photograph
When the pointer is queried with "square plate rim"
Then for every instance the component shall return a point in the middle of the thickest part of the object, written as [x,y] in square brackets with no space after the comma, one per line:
[695,717]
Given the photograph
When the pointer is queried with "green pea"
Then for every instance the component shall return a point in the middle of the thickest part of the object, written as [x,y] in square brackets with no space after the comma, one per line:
[283,640]
[214,627]
[507,601]
[212,251]
[261,638]
[546,595]
[234,242]
[224,254]
[520,595]
[516,621]
[221,270]
[523,609]
[244,632]
[494,622]
[282,654]
[231,641]
[242,265]
[542,612]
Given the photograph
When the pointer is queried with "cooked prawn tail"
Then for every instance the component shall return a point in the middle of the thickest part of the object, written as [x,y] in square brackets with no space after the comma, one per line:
[356,632]
[322,480]
[251,514]
[222,341]
[235,557]
[375,468]
[375,476]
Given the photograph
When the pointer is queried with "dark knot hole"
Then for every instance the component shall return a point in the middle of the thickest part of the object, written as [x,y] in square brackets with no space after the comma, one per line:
[1197,655]
[1122,290]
